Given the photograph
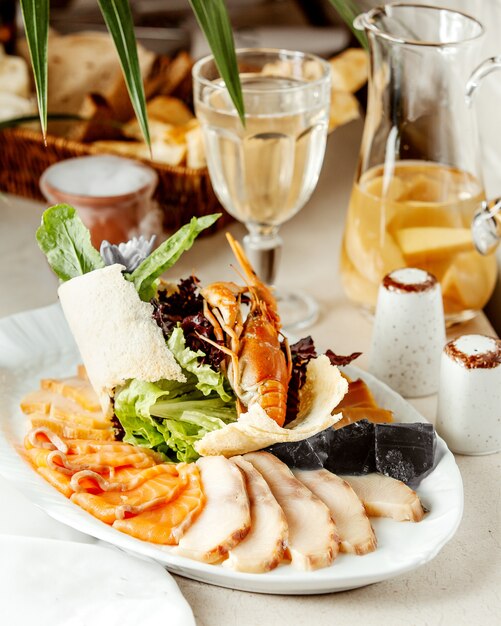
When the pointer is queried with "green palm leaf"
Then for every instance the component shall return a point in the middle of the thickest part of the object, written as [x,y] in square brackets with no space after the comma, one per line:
[215,24]
[348,11]
[118,18]
[36,25]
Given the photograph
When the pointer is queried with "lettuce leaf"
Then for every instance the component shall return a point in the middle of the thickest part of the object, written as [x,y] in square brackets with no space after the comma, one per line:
[65,241]
[145,275]
[208,380]
[170,416]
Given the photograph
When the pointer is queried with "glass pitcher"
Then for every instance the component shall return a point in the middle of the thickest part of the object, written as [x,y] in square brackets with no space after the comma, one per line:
[419,183]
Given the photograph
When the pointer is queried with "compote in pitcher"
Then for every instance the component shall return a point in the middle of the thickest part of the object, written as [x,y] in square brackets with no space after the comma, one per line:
[418,184]
[420,216]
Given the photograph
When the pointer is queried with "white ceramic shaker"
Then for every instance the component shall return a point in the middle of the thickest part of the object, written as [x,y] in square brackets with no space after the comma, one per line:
[469,399]
[409,332]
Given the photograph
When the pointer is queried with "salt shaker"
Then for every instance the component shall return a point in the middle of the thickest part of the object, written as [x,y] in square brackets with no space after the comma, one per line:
[409,332]
[469,399]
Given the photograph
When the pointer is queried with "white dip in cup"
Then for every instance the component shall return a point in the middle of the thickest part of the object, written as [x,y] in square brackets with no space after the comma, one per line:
[112,195]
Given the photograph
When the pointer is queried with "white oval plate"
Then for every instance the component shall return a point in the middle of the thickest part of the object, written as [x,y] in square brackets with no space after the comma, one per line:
[38,344]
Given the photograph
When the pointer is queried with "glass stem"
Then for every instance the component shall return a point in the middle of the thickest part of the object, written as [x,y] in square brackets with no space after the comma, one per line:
[263,246]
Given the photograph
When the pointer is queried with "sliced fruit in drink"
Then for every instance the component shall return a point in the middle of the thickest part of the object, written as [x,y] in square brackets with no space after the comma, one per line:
[421,244]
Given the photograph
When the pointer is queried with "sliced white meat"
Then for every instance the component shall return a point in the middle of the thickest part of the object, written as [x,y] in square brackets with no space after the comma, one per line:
[313,542]
[225,519]
[383,496]
[263,548]
[353,526]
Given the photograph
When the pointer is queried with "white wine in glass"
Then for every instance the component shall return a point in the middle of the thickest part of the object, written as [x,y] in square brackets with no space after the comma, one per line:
[264,172]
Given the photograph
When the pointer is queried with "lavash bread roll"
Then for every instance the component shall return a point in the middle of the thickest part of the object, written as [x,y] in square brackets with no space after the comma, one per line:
[115,332]
[322,392]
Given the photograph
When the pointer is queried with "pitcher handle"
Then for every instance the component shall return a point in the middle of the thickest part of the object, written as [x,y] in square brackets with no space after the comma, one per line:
[477,76]
[486,225]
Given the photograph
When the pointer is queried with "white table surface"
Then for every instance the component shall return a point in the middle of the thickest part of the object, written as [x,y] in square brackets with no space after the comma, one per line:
[461,585]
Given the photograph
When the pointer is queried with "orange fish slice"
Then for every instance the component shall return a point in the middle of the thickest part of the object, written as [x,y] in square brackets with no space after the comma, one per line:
[75,388]
[124,479]
[86,446]
[166,524]
[102,461]
[68,430]
[38,458]
[60,481]
[44,438]
[112,506]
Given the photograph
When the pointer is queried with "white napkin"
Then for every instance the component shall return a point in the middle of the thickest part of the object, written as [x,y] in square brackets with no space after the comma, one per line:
[60,577]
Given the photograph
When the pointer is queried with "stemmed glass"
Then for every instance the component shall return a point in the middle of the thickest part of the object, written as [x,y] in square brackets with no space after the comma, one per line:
[264,172]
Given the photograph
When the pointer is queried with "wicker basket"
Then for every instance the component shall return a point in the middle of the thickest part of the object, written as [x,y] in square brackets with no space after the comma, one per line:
[181,193]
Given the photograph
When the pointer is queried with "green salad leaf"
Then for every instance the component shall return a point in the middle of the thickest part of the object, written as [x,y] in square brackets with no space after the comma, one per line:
[145,275]
[170,416]
[208,380]
[65,241]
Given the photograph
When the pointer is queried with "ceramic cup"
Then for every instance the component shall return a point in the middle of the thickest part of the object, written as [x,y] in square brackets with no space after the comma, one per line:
[409,332]
[469,399]
[113,195]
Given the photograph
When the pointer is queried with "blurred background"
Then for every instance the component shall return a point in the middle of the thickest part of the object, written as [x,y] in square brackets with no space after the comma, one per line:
[167,27]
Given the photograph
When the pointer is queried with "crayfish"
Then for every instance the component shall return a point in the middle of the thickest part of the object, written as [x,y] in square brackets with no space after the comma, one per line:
[258,364]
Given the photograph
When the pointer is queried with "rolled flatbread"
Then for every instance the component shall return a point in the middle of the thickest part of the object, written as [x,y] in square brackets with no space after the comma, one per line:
[115,332]
[322,392]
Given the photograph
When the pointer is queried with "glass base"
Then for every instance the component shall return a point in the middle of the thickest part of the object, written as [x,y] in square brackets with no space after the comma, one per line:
[297,309]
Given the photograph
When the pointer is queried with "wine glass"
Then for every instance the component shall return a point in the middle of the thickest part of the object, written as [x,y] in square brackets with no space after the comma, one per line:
[264,172]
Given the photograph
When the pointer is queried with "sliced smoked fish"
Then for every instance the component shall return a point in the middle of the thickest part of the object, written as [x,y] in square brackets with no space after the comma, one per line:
[60,481]
[43,437]
[68,430]
[101,461]
[38,458]
[358,394]
[353,526]
[357,413]
[110,506]
[225,519]
[313,542]
[359,404]
[88,446]
[264,546]
[59,407]
[166,524]
[383,496]
[123,479]
[76,388]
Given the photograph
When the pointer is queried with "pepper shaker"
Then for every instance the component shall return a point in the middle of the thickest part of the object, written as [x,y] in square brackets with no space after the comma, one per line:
[469,399]
[409,332]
